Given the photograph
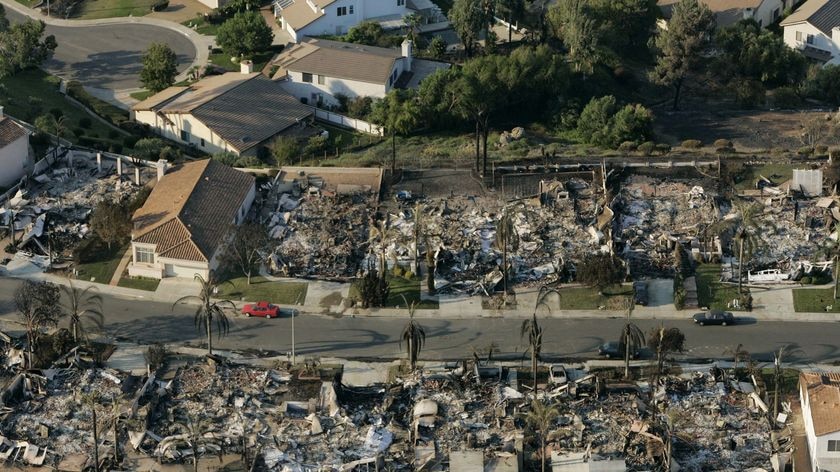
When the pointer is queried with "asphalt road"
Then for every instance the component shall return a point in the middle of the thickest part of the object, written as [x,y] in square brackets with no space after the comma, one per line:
[317,335]
[108,56]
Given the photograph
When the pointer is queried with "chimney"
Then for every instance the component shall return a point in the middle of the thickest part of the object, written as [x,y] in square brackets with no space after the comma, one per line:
[246,66]
[1,111]
[162,166]
[407,49]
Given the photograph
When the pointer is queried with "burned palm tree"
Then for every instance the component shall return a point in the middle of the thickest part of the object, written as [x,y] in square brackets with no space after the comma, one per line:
[541,418]
[534,332]
[83,307]
[506,239]
[90,400]
[413,335]
[209,312]
[632,337]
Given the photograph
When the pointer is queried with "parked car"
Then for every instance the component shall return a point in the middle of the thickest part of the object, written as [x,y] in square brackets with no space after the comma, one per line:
[640,293]
[263,309]
[615,350]
[557,375]
[714,317]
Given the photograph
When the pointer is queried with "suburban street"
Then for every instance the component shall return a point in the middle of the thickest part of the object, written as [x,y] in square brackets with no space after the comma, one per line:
[108,55]
[146,321]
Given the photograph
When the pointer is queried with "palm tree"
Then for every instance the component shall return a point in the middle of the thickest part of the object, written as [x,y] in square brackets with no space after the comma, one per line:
[194,429]
[115,424]
[414,336]
[82,306]
[534,332]
[632,337]
[90,400]
[541,418]
[209,312]
[506,236]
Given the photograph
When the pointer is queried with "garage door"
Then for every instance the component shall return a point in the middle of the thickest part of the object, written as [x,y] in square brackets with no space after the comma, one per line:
[173,270]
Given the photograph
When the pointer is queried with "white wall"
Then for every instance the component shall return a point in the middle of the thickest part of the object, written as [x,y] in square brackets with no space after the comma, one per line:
[821,41]
[212,142]
[330,23]
[331,87]
[13,161]
[764,12]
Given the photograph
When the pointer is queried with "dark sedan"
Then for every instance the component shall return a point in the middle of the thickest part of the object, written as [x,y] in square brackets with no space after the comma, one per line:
[714,317]
[615,350]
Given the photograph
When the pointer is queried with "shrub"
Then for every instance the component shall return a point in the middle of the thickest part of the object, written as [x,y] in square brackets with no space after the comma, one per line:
[647,148]
[397,271]
[749,93]
[821,150]
[663,148]
[160,5]
[805,151]
[786,98]
[627,146]
[805,280]
[408,274]
[85,122]
[723,143]
[834,152]
[155,356]
[692,144]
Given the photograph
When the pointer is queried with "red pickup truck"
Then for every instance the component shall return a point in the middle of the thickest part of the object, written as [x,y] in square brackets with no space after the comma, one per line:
[264,309]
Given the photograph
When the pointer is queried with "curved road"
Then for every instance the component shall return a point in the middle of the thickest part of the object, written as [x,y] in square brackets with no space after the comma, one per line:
[109,55]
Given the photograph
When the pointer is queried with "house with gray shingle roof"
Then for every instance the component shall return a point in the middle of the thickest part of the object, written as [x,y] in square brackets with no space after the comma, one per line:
[316,71]
[182,227]
[814,29]
[14,151]
[232,112]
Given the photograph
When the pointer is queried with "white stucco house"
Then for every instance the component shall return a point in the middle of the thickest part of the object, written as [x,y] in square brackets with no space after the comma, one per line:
[728,12]
[14,151]
[819,394]
[181,229]
[317,70]
[321,17]
[232,112]
[814,29]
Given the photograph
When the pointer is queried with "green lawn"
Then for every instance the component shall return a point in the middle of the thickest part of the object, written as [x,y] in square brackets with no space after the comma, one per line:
[31,93]
[587,298]
[749,175]
[285,293]
[94,9]
[102,108]
[401,287]
[202,26]
[102,270]
[710,291]
[139,283]
[142,95]
[260,60]
[815,300]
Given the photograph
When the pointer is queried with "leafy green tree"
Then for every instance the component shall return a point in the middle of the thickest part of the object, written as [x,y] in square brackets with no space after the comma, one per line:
[824,84]
[542,417]
[160,66]
[469,19]
[23,46]
[4,21]
[680,47]
[149,149]
[600,270]
[209,312]
[110,222]
[284,150]
[366,32]
[234,6]
[749,51]
[632,123]
[437,48]
[83,306]
[626,25]
[399,114]
[244,35]
[38,304]
[595,122]
[574,23]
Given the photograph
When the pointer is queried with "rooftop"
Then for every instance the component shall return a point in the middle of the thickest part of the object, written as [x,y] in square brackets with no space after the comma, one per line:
[188,212]
[824,400]
[10,131]
[823,14]
[341,60]
[299,13]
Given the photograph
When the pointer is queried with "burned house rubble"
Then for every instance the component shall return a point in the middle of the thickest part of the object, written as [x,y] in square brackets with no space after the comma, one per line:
[272,416]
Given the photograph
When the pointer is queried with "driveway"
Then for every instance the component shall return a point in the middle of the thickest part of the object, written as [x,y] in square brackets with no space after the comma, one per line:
[109,55]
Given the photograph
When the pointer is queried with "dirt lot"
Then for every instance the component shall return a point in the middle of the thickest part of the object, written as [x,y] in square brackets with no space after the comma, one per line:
[749,130]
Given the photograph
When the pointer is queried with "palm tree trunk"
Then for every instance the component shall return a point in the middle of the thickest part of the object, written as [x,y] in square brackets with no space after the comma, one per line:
[393,153]
[626,352]
[95,440]
[534,367]
[542,450]
[740,266]
[116,439]
[477,147]
[209,335]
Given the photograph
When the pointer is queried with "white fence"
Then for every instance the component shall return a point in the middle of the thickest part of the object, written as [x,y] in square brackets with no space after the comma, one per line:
[347,122]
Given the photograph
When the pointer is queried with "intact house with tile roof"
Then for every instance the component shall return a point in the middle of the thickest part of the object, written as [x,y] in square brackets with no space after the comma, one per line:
[233,112]
[302,18]
[14,151]
[729,12]
[819,394]
[181,229]
[316,71]
[814,29]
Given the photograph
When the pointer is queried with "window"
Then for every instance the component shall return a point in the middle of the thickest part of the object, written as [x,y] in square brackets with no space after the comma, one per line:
[321,80]
[202,142]
[833,445]
[350,10]
[144,255]
[400,3]
[341,11]
[810,39]
[799,36]
[307,77]
[185,136]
